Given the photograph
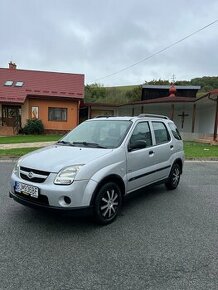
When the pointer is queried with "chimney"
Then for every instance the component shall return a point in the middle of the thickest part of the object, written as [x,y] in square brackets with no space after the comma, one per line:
[12,65]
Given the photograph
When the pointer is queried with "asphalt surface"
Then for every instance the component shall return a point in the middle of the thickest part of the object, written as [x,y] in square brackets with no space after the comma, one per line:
[162,240]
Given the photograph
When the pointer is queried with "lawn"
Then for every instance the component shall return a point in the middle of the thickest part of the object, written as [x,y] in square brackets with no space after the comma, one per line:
[199,150]
[28,138]
[15,152]
[192,150]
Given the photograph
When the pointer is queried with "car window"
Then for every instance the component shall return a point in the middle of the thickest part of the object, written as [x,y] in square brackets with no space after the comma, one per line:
[141,132]
[175,131]
[161,133]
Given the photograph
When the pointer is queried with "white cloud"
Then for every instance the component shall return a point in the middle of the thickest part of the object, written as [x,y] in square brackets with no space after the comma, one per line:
[98,37]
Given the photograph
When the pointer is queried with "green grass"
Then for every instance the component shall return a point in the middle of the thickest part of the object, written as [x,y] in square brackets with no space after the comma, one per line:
[199,150]
[192,150]
[18,152]
[28,138]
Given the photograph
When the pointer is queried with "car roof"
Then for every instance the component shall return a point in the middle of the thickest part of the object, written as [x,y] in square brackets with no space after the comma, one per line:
[132,118]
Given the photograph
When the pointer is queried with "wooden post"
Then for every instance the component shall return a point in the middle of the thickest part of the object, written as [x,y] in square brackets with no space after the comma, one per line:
[172,111]
[183,115]
[193,117]
[216,122]
[78,112]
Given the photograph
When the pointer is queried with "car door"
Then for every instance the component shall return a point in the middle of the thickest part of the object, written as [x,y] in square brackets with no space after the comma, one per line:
[163,149]
[140,161]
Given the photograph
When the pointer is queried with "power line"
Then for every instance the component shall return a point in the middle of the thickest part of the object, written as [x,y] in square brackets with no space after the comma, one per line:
[156,53]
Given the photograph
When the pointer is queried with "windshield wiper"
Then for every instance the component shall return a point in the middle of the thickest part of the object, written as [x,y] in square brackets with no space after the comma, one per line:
[65,143]
[89,144]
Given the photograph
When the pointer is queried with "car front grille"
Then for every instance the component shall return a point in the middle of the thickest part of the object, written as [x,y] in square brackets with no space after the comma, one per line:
[33,175]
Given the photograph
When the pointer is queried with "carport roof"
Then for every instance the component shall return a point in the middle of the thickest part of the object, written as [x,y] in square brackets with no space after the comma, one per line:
[168,99]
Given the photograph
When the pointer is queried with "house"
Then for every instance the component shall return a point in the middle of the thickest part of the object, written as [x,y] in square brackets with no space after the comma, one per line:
[52,97]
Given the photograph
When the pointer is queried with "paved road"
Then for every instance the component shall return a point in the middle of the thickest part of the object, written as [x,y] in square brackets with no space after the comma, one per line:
[162,240]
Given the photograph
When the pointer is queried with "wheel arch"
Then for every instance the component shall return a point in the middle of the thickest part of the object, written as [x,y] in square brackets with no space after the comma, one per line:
[110,178]
[179,162]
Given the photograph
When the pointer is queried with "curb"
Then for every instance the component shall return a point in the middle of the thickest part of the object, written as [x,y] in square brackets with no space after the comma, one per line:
[9,160]
[26,145]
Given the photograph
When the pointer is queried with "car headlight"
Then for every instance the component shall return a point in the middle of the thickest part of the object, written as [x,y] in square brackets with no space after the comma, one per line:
[16,169]
[67,175]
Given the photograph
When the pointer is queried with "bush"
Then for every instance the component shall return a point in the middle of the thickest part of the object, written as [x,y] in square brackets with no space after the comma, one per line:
[33,126]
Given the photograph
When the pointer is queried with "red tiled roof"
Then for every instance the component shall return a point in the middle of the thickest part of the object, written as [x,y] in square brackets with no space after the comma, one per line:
[40,83]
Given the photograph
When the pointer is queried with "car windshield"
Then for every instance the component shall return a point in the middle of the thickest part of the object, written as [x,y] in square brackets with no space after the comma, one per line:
[97,134]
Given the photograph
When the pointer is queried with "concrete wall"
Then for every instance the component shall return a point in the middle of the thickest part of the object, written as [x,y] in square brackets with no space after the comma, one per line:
[207,119]
[187,109]
[163,109]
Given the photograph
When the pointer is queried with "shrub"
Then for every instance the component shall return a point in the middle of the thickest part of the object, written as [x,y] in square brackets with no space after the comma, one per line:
[33,126]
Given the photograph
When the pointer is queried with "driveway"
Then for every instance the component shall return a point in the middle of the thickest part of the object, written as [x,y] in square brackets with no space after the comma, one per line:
[162,240]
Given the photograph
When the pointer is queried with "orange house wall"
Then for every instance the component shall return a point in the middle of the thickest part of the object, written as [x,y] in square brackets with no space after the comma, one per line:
[43,105]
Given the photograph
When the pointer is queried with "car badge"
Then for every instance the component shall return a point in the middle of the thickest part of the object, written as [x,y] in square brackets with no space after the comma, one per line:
[30,174]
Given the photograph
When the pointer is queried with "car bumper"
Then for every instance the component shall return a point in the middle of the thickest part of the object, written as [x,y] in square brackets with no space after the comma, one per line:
[50,195]
[33,204]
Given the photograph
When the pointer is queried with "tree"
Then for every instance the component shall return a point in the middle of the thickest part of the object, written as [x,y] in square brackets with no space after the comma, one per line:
[94,92]
[158,82]
[134,94]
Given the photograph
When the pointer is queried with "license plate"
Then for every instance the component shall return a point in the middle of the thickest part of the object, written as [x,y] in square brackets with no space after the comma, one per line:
[27,189]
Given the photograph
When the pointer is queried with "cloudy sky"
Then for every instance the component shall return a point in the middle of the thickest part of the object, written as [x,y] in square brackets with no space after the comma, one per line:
[101,37]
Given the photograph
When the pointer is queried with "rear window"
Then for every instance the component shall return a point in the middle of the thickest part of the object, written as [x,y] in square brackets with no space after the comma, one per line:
[175,131]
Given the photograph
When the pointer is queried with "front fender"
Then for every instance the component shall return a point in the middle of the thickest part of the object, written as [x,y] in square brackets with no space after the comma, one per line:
[115,169]
[118,169]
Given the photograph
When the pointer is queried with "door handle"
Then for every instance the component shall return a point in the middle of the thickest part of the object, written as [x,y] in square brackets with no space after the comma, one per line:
[171,147]
[151,152]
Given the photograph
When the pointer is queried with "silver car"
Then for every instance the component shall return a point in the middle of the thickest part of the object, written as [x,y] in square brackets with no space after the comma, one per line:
[98,163]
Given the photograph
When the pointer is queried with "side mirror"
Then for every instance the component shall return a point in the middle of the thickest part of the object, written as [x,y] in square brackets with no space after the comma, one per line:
[139,144]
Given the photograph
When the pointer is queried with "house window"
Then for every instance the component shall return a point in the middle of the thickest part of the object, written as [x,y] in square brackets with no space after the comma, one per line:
[8,83]
[19,84]
[57,114]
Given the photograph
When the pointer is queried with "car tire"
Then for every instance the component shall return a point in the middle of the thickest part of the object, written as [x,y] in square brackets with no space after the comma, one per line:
[174,177]
[108,202]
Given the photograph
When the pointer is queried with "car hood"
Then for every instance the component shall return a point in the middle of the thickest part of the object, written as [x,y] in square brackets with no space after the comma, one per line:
[56,157]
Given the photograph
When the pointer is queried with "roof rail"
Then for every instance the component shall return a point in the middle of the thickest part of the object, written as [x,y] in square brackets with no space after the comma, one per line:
[153,116]
[104,116]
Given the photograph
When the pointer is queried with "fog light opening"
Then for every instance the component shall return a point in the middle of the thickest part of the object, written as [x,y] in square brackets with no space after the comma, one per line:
[67,200]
